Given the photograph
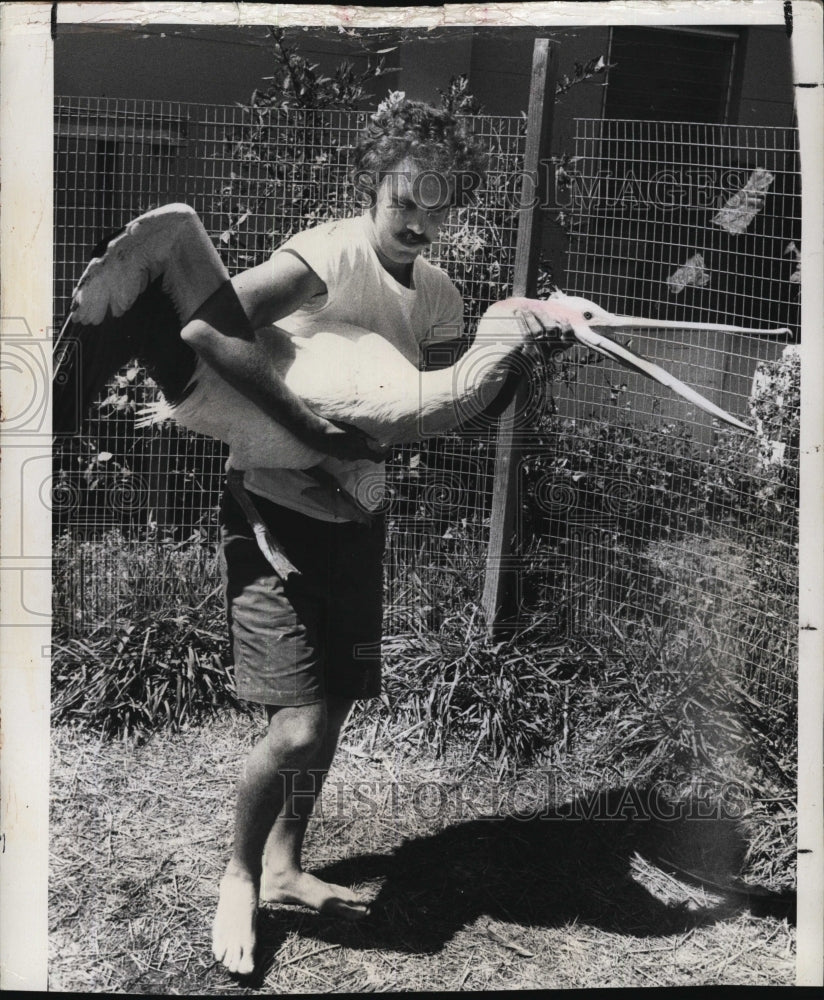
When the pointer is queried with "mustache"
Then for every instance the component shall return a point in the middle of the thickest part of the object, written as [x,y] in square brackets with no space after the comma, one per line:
[412,240]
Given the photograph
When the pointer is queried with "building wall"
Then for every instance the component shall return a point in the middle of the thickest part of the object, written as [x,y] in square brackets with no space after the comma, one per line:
[208,65]
[428,62]
[215,65]
[766,85]
[502,67]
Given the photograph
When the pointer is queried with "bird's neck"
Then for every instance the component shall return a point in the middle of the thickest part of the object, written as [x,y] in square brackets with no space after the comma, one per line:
[455,395]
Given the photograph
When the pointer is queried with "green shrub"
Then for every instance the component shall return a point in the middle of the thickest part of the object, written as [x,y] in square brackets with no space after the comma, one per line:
[701,542]
[772,547]
[499,700]
[136,646]
[660,706]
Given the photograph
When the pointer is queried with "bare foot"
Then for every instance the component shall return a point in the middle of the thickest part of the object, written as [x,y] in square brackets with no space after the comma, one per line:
[233,932]
[303,889]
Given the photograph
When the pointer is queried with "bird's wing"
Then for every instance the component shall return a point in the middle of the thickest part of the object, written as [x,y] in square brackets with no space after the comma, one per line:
[141,285]
[629,359]
[87,355]
[169,243]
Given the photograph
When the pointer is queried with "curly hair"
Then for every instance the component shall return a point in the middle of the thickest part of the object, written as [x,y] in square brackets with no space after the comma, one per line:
[432,138]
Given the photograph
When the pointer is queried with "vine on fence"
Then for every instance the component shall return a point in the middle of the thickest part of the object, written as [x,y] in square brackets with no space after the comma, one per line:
[295,191]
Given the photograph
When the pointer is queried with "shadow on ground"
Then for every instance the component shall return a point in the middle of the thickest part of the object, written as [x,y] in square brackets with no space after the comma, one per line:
[548,870]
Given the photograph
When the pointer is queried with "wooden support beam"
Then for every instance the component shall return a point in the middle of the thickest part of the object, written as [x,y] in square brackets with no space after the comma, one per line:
[500,589]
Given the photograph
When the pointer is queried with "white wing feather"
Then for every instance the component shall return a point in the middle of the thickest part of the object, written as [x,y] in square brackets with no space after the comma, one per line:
[170,241]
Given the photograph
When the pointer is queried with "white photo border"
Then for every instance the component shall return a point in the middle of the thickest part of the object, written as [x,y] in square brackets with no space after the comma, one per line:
[26,116]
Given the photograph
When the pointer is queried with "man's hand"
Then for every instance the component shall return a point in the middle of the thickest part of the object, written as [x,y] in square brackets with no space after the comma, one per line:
[544,336]
[347,443]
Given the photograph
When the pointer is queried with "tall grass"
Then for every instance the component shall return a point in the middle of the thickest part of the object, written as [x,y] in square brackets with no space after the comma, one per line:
[660,705]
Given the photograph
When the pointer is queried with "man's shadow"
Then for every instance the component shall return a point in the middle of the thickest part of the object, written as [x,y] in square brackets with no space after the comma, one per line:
[565,864]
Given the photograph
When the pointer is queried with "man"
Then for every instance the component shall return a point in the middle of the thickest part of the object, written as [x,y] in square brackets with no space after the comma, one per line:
[307,647]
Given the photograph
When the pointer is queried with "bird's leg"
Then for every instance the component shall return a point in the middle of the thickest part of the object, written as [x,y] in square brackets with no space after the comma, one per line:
[272,552]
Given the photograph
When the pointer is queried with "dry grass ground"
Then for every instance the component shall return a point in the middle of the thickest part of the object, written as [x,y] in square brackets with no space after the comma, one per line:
[476,884]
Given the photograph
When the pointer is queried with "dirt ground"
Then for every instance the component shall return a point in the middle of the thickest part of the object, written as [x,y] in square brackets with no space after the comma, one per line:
[476,883]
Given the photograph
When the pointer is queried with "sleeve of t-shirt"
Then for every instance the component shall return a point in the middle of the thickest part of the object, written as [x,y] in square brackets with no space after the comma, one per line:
[326,249]
[446,327]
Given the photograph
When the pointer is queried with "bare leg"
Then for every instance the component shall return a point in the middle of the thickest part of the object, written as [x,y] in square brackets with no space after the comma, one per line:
[284,880]
[294,739]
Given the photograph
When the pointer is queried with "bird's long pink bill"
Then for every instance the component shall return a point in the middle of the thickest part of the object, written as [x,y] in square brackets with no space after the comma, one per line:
[623,355]
[645,323]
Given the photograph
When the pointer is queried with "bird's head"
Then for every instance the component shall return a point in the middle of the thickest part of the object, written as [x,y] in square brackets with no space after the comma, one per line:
[562,320]
[574,310]
[551,322]
[553,318]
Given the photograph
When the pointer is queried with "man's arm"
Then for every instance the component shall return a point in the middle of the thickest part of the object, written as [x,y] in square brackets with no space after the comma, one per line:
[448,352]
[277,288]
[223,332]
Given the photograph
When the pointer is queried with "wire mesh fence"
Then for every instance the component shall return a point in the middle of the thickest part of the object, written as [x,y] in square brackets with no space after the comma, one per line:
[688,221]
[255,177]
[634,511]
[648,511]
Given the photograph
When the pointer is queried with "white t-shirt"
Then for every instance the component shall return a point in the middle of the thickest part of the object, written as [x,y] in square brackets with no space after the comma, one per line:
[361,292]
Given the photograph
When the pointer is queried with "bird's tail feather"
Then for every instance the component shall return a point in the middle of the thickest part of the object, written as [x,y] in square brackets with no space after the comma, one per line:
[153,413]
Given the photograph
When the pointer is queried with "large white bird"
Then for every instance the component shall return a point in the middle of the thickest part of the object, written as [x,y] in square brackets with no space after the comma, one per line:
[147,281]
[144,284]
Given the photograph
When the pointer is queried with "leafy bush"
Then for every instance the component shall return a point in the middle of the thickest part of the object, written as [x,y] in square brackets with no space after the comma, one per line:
[456,687]
[147,675]
[152,650]
[776,406]
[659,706]
[702,541]
[772,543]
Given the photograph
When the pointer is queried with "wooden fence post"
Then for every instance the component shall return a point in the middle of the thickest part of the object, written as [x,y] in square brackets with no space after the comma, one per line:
[498,599]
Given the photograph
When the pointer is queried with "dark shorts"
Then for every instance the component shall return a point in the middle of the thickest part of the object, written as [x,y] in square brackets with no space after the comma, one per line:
[318,634]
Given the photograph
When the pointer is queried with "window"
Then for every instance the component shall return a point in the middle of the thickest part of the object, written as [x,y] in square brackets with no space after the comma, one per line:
[670,74]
